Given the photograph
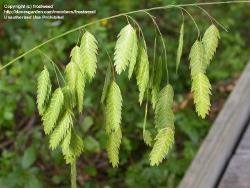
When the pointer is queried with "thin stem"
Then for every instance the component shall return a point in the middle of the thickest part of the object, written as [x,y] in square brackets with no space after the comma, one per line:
[140,31]
[153,69]
[116,16]
[73,174]
[146,113]
[78,38]
[127,19]
[54,66]
[192,18]
[110,64]
[162,40]
[212,18]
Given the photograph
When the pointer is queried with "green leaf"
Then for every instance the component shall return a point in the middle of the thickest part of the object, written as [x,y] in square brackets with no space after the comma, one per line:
[113,145]
[61,130]
[87,123]
[113,108]
[51,115]
[29,157]
[201,89]
[88,50]
[125,49]
[91,144]
[43,90]
[142,73]
[180,46]
[210,41]
[164,142]
[33,182]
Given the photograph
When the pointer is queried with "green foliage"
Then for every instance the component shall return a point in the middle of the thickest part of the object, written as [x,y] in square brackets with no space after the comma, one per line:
[71,76]
[201,89]
[163,112]
[52,113]
[156,82]
[113,145]
[18,109]
[142,74]
[113,120]
[147,137]
[164,141]
[113,108]
[72,146]
[200,55]
[126,50]
[43,90]
[164,122]
[180,47]
[196,57]
[75,76]
[61,130]
[133,55]
[88,51]
[106,85]
[80,86]
[210,41]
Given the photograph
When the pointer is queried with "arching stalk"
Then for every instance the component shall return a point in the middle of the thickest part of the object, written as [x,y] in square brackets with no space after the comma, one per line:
[116,16]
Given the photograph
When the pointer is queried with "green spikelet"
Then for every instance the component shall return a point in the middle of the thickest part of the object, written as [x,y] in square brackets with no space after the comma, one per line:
[210,41]
[142,75]
[180,46]
[113,145]
[76,72]
[113,108]
[88,51]
[106,85]
[61,130]
[68,156]
[201,89]
[69,100]
[196,57]
[125,49]
[71,75]
[133,55]
[72,146]
[164,122]
[51,115]
[76,144]
[164,142]
[147,137]
[75,54]
[73,68]
[43,90]
[80,86]
[163,112]
[157,77]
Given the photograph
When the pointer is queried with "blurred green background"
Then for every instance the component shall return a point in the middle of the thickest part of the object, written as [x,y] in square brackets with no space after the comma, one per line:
[26,161]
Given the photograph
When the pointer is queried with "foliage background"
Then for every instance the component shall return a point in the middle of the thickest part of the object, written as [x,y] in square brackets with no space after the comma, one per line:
[26,161]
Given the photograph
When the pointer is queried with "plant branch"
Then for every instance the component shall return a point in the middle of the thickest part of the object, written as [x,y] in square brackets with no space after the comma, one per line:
[116,16]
